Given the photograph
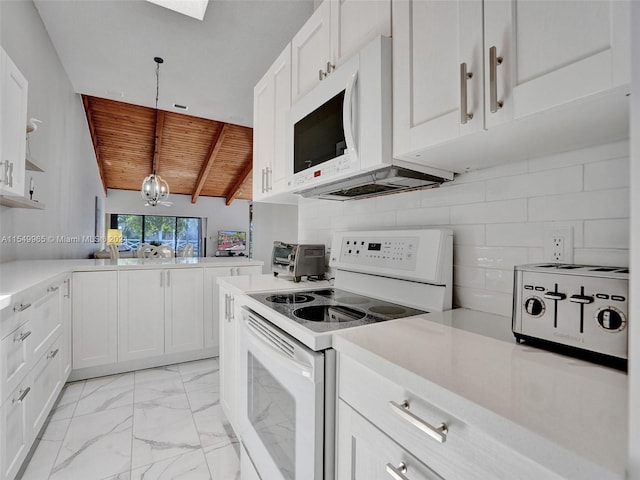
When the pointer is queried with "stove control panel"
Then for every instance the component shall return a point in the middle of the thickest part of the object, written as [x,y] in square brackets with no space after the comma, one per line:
[418,255]
[585,309]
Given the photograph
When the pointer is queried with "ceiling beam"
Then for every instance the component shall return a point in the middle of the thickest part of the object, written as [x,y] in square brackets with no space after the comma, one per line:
[94,140]
[240,179]
[216,144]
[158,140]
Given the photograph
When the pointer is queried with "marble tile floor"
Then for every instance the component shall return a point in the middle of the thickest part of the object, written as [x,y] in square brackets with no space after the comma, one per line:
[156,424]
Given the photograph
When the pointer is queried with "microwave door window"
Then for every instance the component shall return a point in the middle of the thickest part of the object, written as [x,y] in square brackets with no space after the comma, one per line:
[319,136]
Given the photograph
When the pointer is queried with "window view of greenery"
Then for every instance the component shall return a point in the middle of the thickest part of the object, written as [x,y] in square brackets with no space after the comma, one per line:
[158,230]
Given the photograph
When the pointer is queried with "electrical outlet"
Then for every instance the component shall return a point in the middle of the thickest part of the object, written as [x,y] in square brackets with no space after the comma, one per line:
[558,244]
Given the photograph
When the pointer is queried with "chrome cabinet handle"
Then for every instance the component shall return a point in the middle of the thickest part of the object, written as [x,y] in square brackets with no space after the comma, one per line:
[68,284]
[438,433]
[397,472]
[321,75]
[5,176]
[264,170]
[52,289]
[53,354]
[23,394]
[330,68]
[10,174]
[226,307]
[168,278]
[494,61]
[22,337]
[232,302]
[464,78]
[269,179]
[22,307]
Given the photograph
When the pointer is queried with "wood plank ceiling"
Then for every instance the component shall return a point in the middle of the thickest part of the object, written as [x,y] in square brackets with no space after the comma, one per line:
[196,156]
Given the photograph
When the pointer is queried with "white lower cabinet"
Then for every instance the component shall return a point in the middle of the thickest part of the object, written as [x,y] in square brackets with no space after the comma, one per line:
[410,427]
[15,434]
[183,300]
[46,384]
[229,350]
[366,453]
[95,318]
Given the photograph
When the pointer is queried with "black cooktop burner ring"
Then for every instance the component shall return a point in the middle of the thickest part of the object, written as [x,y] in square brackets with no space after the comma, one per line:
[289,298]
[329,313]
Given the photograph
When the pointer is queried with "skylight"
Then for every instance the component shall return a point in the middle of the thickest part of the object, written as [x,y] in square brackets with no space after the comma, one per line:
[191,8]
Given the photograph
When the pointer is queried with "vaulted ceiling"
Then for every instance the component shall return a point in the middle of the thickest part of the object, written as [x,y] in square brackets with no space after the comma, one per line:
[196,156]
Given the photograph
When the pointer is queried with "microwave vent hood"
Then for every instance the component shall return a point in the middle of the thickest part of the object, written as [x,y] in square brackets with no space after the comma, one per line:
[391,179]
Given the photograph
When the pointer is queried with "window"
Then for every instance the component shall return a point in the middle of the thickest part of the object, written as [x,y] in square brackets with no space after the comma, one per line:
[159,230]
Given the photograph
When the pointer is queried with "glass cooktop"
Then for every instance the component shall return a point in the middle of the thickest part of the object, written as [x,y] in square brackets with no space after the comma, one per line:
[330,309]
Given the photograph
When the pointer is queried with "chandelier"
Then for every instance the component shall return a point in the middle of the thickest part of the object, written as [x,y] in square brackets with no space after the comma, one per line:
[154,189]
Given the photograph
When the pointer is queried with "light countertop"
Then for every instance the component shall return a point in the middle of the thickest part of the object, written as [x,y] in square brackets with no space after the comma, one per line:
[269,283]
[18,276]
[567,414]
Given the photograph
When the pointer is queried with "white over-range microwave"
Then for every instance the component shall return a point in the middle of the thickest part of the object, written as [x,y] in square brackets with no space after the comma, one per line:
[339,135]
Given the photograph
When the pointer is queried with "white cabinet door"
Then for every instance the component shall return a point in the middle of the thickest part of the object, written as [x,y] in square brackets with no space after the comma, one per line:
[184,304]
[141,314]
[46,381]
[212,306]
[15,434]
[365,453]
[310,51]
[13,126]
[281,79]
[95,318]
[228,360]
[355,23]
[432,40]
[554,52]
[66,329]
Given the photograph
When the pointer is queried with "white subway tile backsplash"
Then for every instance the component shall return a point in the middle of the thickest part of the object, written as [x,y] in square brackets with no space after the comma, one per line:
[490,212]
[608,174]
[484,300]
[499,280]
[579,157]
[423,216]
[560,180]
[585,205]
[469,276]
[490,257]
[499,215]
[606,233]
[453,194]
[602,256]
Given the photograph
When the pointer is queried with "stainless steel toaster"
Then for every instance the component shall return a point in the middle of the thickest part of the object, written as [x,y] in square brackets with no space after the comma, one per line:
[298,260]
[581,310]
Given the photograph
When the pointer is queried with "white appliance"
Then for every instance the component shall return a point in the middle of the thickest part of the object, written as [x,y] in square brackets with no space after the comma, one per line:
[287,367]
[338,136]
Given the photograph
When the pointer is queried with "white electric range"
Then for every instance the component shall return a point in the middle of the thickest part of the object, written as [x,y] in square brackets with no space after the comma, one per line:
[287,366]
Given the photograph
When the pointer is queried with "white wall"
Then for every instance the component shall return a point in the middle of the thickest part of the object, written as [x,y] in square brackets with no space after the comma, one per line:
[498,217]
[218,215]
[272,222]
[634,327]
[62,145]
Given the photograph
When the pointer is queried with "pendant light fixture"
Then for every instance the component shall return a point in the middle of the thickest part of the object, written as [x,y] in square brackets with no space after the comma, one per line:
[154,189]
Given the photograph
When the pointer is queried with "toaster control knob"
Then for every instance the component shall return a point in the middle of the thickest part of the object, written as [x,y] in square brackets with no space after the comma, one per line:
[534,306]
[611,319]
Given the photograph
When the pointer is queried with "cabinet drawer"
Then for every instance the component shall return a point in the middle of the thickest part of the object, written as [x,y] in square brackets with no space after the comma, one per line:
[15,357]
[15,314]
[366,453]
[46,319]
[465,453]
[46,383]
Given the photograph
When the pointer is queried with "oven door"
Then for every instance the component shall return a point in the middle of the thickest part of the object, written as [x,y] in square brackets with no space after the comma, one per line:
[282,402]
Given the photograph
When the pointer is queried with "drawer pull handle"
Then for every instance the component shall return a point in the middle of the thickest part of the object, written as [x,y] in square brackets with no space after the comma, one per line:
[21,307]
[438,433]
[52,354]
[23,393]
[22,337]
[397,472]
[53,289]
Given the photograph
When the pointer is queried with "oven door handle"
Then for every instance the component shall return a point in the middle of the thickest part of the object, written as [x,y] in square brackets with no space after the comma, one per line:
[292,364]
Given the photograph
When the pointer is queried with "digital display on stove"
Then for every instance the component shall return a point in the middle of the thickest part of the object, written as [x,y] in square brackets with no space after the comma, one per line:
[375,246]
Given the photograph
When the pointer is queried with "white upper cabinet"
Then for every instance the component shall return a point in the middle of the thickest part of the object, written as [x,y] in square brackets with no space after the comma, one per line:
[13,127]
[335,32]
[532,68]
[433,41]
[311,51]
[271,101]
[554,52]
